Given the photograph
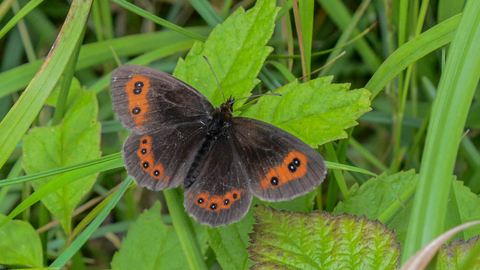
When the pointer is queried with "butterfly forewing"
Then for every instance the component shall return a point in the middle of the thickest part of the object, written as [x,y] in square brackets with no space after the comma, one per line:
[279,166]
[147,99]
[168,120]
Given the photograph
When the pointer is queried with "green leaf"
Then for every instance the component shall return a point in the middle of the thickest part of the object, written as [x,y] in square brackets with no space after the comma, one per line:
[21,116]
[150,244]
[230,242]
[20,244]
[303,203]
[82,238]
[316,112]
[469,208]
[453,256]
[320,240]
[374,197]
[236,50]
[76,139]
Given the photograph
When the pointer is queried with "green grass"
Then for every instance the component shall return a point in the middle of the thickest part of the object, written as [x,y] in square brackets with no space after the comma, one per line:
[411,120]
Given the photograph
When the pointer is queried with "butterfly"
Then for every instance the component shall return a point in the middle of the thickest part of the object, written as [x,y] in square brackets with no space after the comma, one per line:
[178,136]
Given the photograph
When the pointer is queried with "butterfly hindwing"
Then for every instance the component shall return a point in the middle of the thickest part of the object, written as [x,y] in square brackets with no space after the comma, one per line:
[145,99]
[161,159]
[279,166]
[220,194]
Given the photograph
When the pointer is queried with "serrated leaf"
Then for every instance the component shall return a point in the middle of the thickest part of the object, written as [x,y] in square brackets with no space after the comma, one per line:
[377,194]
[320,240]
[452,256]
[316,112]
[74,140]
[469,208]
[303,203]
[236,50]
[230,242]
[20,244]
[150,244]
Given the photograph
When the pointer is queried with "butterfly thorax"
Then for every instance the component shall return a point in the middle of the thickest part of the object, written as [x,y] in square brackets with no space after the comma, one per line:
[221,120]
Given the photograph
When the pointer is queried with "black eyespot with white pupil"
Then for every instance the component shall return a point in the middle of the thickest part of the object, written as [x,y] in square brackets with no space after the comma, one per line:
[297,162]
[156,173]
[145,164]
[136,110]
[144,151]
[200,201]
[213,206]
[274,181]
[138,88]
[226,201]
[291,167]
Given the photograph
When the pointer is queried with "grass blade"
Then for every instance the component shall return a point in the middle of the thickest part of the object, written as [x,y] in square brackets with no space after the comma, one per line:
[83,237]
[24,11]
[413,50]
[158,20]
[449,112]
[20,117]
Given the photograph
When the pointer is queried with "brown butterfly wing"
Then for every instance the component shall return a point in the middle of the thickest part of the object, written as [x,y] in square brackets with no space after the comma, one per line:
[279,166]
[146,99]
[161,159]
[168,120]
[243,161]
[220,193]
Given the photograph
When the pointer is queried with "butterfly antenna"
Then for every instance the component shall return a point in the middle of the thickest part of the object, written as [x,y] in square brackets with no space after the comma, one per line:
[261,95]
[206,59]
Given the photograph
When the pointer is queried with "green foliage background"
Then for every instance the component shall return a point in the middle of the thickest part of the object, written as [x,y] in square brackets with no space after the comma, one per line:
[414,68]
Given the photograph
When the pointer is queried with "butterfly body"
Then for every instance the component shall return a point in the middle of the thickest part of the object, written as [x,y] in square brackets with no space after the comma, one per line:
[222,161]
[218,126]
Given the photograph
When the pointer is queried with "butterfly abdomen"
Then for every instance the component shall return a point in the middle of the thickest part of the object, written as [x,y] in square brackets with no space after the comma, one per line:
[217,127]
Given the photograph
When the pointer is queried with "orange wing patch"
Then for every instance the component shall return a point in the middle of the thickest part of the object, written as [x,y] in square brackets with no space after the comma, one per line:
[137,89]
[294,166]
[157,172]
[147,160]
[216,203]
[145,147]
[202,199]
[229,198]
